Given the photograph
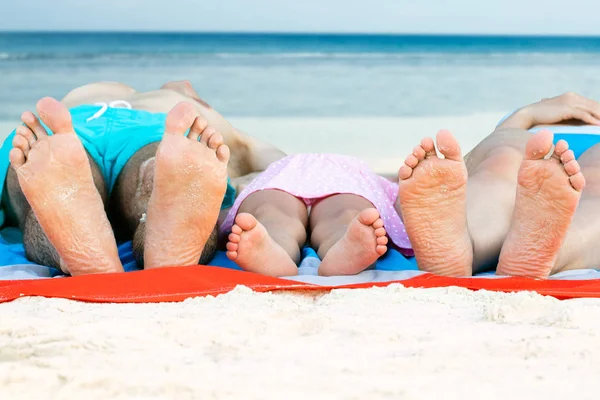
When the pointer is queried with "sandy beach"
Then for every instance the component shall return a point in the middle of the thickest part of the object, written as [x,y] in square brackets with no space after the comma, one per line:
[377,343]
[386,343]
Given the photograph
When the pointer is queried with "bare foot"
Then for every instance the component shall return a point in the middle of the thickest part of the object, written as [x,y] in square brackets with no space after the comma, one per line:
[56,178]
[363,243]
[190,180]
[433,197]
[251,247]
[548,193]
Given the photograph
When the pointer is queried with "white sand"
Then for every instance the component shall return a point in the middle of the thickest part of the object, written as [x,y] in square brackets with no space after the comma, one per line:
[362,344]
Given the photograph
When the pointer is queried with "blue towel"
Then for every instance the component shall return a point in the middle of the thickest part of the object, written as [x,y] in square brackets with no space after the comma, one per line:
[14,264]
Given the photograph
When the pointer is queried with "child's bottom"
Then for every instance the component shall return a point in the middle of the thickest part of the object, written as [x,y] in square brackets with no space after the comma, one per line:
[272,226]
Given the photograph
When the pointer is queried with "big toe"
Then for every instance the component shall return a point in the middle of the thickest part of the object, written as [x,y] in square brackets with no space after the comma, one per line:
[368,216]
[55,115]
[448,145]
[180,118]
[539,145]
[245,221]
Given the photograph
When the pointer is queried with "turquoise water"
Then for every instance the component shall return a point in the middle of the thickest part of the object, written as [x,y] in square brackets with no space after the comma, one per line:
[307,75]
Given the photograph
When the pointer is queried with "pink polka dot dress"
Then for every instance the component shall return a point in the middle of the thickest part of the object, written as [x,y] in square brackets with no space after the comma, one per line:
[312,177]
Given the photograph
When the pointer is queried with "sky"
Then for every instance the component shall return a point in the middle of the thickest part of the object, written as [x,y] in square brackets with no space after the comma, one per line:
[570,17]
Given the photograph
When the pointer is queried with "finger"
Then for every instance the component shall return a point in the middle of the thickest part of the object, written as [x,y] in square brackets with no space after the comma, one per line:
[592,106]
[585,116]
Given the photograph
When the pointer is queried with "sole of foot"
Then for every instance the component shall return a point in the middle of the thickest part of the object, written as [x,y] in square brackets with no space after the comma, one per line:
[56,178]
[251,247]
[433,196]
[363,243]
[548,194]
[190,180]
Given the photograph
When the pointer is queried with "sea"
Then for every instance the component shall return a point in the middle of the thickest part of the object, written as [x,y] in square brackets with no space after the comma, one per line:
[306,75]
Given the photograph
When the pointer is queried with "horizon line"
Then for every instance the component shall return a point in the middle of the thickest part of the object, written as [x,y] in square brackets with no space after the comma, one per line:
[306,33]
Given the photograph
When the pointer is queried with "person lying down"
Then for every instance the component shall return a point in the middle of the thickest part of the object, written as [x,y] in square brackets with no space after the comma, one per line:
[508,205]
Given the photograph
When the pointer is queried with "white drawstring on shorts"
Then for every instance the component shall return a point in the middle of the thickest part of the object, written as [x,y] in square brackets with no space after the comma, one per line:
[105,106]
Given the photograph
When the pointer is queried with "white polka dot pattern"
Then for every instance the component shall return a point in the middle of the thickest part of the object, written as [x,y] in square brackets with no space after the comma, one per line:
[311,177]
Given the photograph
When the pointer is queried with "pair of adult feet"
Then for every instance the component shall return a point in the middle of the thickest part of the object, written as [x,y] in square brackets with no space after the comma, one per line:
[433,199]
[190,180]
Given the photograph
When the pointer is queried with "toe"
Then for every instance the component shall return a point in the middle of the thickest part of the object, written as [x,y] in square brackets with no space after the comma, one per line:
[223,153]
[368,216]
[378,224]
[429,147]
[411,160]
[236,229]
[55,115]
[180,119]
[232,255]
[232,246]
[448,145]
[405,172]
[539,145]
[572,167]
[197,128]
[380,231]
[33,123]
[381,250]
[215,141]
[419,153]
[16,157]
[577,181]
[25,132]
[567,156]
[382,240]
[246,221]
[559,149]
[207,134]
[19,142]
[234,237]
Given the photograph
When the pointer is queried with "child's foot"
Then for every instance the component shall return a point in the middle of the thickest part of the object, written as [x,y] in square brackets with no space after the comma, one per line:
[190,180]
[548,193]
[55,176]
[433,197]
[364,242]
[251,247]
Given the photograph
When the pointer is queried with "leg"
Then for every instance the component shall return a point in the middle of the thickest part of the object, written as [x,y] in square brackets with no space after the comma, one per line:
[493,167]
[269,232]
[347,233]
[190,180]
[66,226]
[580,249]
[548,193]
[433,196]
[135,184]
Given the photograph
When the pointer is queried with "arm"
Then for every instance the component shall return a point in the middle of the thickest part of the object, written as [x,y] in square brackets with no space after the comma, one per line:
[561,109]
[258,156]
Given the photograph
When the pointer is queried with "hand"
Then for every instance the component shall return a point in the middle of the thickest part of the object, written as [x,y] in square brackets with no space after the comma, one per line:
[569,106]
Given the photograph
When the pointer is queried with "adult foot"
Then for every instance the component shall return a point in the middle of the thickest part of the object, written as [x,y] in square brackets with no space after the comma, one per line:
[56,178]
[433,196]
[548,193]
[190,180]
[363,243]
[251,247]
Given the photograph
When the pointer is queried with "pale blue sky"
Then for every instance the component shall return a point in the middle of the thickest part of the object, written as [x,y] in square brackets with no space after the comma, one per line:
[389,16]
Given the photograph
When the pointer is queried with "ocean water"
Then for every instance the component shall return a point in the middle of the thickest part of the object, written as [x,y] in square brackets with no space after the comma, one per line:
[277,75]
